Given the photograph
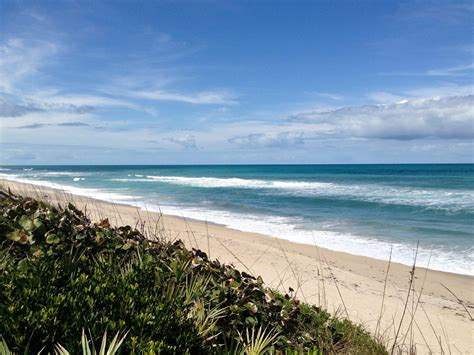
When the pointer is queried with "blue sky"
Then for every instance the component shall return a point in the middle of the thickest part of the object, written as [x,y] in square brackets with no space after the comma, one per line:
[175,82]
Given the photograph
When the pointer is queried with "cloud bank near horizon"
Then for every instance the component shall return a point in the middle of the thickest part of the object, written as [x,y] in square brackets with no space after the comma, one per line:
[156,102]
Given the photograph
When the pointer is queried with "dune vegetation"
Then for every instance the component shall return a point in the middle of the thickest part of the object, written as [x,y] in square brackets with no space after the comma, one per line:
[65,281]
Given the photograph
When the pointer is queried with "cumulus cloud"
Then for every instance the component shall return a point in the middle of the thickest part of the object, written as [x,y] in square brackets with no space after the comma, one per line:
[269,140]
[445,118]
[187,141]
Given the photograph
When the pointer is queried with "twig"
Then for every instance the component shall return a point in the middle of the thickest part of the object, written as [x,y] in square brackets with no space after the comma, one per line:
[412,277]
[384,289]
[459,301]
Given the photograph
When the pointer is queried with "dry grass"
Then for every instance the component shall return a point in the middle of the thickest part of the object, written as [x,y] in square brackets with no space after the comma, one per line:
[377,327]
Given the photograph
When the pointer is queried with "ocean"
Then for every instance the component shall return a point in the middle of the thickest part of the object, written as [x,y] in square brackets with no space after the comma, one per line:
[359,209]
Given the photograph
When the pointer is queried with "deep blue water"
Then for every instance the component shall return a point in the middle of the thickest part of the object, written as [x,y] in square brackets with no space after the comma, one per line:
[361,209]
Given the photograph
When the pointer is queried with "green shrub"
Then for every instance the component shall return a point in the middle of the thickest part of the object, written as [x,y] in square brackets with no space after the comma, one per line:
[61,273]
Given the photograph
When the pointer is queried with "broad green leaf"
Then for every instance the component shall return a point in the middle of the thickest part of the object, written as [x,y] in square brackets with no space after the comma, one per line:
[23,265]
[37,222]
[52,239]
[26,223]
[15,236]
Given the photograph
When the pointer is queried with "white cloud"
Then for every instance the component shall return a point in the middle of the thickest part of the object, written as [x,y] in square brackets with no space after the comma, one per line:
[20,59]
[187,141]
[64,113]
[423,93]
[460,70]
[464,70]
[15,109]
[385,97]
[444,118]
[23,66]
[56,100]
[440,91]
[327,95]
[200,98]
[52,100]
[37,119]
[269,140]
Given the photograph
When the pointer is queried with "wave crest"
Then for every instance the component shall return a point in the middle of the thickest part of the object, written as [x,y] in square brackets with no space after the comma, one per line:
[452,200]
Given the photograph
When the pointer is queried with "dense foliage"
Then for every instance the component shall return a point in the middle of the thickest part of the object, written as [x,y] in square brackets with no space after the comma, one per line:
[61,273]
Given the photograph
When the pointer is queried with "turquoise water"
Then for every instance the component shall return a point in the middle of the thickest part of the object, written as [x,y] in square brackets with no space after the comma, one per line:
[360,209]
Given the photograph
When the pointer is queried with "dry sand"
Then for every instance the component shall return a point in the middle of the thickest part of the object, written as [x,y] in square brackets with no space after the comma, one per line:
[350,285]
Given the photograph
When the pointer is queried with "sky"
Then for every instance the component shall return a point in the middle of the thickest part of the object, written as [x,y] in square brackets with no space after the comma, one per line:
[236,82]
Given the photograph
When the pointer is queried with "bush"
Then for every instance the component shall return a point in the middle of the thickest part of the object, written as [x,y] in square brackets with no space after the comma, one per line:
[61,273]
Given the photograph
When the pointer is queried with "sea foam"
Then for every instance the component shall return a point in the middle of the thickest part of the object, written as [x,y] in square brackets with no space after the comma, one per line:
[452,200]
[283,227]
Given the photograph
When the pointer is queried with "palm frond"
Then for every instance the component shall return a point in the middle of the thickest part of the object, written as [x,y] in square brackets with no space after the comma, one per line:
[257,342]
[88,347]
[4,350]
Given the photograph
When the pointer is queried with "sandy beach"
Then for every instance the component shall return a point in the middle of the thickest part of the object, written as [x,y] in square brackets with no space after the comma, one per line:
[352,286]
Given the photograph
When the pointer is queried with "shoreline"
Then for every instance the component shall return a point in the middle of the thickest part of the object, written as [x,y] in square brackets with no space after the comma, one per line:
[349,244]
[318,275]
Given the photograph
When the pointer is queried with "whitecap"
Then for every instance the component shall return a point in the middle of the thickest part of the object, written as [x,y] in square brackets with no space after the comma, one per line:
[452,200]
[108,196]
[287,228]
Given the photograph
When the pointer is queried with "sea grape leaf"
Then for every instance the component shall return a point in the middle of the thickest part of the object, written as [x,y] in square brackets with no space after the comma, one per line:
[23,265]
[26,223]
[52,239]
[37,222]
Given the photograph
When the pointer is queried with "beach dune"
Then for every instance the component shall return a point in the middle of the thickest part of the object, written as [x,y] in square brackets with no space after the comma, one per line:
[429,309]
